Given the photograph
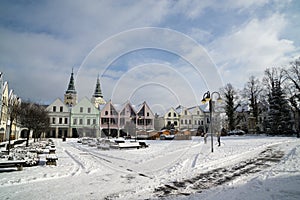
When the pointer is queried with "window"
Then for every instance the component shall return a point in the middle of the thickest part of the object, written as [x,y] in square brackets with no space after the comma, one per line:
[195,122]
[175,115]
[74,121]
[54,108]
[198,112]
[182,121]
[169,115]
[148,114]
[202,122]
[66,120]
[53,120]
[104,120]
[60,120]
[190,121]
[89,110]
[61,109]
[81,109]
[122,121]
[94,121]
[88,121]
[80,121]
[175,123]
[169,123]
[185,121]
[185,112]
[106,112]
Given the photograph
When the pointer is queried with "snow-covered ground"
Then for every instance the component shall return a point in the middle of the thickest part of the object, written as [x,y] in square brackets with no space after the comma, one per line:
[243,167]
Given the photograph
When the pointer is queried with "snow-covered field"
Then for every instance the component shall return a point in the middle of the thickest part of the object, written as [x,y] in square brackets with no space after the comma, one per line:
[244,167]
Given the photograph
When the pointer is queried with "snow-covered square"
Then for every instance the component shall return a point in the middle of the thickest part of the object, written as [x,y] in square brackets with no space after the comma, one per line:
[243,167]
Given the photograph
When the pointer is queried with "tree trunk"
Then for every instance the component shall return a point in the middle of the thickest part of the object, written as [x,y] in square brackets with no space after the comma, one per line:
[27,139]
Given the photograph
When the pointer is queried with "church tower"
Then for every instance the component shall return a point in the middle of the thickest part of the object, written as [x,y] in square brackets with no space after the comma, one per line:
[97,98]
[70,98]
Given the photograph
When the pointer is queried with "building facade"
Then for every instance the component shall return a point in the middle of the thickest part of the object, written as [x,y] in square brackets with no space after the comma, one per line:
[59,114]
[9,125]
[84,118]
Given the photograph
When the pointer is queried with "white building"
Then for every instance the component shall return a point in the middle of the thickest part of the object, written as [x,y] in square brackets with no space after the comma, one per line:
[59,114]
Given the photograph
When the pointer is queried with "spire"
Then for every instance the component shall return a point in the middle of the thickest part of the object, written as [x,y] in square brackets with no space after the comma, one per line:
[98,92]
[71,86]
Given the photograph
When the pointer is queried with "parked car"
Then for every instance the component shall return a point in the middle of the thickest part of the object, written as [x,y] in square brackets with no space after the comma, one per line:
[167,137]
[236,132]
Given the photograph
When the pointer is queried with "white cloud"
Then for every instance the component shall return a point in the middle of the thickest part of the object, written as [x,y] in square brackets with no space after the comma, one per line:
[41,42]
[45,40]
[252,48]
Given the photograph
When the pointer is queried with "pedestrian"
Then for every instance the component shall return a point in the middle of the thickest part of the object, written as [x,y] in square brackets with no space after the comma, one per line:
[219,138]
[205,138]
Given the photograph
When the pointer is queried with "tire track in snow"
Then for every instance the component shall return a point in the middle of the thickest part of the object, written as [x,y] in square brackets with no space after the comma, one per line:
[81,166]
[195,160]
[220,176]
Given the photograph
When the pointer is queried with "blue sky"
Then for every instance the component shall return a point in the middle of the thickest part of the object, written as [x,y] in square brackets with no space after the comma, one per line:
[165,52]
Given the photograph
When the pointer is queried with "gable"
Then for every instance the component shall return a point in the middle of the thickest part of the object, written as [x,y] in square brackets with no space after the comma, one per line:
[171,113]
[145,111]
[128,110]
[109,109]
[85,106]
[58,103]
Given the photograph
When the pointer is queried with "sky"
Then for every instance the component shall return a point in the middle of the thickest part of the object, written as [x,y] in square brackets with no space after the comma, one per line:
[167,53]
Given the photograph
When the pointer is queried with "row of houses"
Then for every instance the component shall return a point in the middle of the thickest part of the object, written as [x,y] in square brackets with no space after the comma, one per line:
[97,118]
[8,122]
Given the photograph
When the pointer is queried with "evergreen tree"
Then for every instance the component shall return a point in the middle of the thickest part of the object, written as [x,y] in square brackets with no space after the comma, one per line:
[230,96]
[278,118]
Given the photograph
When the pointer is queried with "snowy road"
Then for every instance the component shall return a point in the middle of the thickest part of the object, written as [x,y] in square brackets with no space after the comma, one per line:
[243,167]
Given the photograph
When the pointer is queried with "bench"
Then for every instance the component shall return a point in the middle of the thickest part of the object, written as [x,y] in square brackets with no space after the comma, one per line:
[52,150]
[12,163]
[51,159]
[129,145]
[143,144]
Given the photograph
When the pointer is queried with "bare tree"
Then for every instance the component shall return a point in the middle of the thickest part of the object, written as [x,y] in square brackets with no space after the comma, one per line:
[293,77]
[35,118]
[252,91]
[14,105]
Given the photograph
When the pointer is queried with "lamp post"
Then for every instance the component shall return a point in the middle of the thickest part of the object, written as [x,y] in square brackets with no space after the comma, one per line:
[108,127]
[139,119]
[207,97]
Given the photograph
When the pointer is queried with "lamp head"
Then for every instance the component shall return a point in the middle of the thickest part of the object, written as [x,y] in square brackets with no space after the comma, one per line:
[207,96]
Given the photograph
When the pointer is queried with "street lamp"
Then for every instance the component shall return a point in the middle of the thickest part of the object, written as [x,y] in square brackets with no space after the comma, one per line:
[108,127]
[207,97]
